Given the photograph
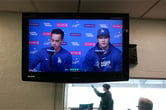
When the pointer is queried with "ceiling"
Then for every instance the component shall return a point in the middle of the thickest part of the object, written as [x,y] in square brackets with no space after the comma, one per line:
[147,9]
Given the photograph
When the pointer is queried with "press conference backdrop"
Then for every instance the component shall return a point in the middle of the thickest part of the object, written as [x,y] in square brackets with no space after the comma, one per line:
[80,35]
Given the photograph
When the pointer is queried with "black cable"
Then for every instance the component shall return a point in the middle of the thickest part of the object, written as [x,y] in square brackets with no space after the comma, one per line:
[34,5]
[149,9]
[78,6]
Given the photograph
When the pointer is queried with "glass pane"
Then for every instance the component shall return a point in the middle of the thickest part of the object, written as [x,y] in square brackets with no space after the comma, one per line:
[125,94]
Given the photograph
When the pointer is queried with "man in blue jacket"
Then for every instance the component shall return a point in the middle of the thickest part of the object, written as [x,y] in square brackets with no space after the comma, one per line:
[54,58]
[104,57]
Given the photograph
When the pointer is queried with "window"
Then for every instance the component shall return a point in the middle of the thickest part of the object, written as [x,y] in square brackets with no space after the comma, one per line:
[125,94]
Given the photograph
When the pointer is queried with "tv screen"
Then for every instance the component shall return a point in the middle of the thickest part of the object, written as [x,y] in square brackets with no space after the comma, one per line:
[75,47]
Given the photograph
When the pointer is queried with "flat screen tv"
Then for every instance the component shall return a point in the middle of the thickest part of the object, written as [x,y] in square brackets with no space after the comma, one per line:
[75,47]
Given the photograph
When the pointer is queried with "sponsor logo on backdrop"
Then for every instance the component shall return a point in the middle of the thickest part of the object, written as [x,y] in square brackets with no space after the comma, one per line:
[117,26]
[47,24]
[46,33]
[33,51]
[75,52]
[118,35]
[33,33]
[77,24]
[89,35]
[62,25]
[89,25]
[75,34]
[33,42]
[75,61]
[47,43]
[103,26]
[64,43]
[89,44]
[117,44]
[34,24]
[75,43]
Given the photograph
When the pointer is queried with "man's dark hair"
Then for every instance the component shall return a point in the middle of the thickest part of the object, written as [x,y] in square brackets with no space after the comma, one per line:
[107,86]
[58,31]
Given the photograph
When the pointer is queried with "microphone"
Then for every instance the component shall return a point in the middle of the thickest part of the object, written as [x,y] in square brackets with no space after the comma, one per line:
[51,50]
[99,52]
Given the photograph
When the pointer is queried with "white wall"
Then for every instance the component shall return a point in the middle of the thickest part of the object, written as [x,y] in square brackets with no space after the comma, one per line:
[150,36]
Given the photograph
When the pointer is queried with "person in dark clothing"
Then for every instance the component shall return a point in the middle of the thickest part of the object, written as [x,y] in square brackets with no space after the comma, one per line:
[106,102]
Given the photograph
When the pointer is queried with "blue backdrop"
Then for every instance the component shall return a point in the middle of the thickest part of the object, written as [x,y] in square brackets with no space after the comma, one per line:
[80,35]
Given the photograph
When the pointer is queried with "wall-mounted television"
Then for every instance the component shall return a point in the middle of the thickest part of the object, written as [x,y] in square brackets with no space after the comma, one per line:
[75,47]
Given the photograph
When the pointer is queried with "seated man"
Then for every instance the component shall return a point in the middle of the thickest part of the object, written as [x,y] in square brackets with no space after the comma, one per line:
[104,57]
[53,58]
[145,104]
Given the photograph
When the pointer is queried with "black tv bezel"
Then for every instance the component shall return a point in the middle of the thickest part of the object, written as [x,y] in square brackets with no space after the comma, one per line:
[73,77]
